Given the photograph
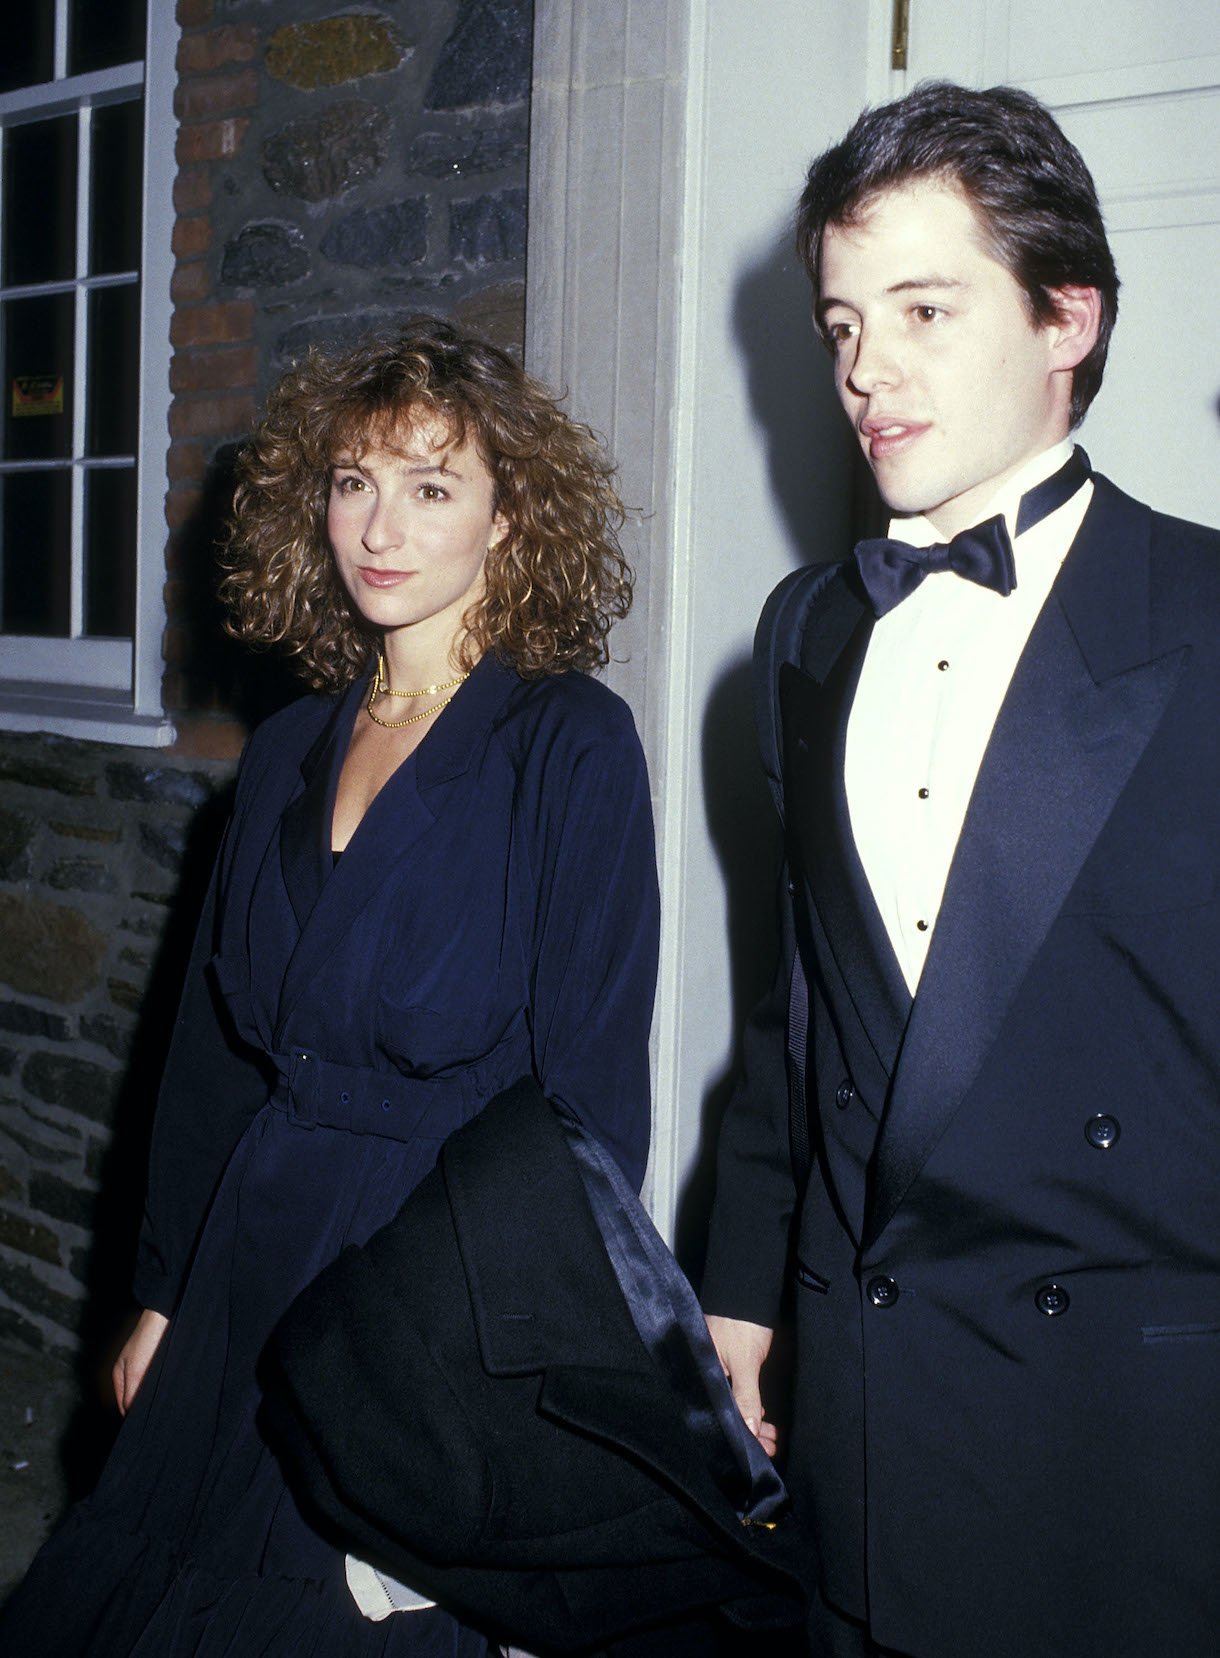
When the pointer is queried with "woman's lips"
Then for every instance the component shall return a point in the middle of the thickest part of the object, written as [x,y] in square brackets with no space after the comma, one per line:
[381,578]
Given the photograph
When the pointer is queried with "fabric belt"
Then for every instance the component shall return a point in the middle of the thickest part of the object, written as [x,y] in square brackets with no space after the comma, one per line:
[315,1092]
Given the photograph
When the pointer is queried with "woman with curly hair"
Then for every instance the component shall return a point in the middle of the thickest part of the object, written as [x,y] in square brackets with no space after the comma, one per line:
[438,878]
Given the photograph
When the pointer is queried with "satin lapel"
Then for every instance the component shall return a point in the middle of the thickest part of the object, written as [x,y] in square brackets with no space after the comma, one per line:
[815,703]
[1083,704]
[305,857]
[405,809]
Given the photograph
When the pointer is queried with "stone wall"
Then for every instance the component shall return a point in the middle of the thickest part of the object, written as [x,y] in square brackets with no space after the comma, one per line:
[338,167]
[103,857]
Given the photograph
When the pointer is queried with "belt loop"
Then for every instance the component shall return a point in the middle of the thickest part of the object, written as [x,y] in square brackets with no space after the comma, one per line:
[302,1088]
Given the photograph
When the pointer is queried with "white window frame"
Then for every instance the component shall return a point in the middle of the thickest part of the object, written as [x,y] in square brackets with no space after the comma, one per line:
[110,690]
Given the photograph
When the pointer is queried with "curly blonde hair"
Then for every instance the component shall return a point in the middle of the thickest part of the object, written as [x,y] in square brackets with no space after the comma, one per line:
[555,583]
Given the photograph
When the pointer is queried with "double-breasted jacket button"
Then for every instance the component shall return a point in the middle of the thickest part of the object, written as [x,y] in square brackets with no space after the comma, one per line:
[881,1291]
[1102,1131]
[845,1093]
[1052,1299]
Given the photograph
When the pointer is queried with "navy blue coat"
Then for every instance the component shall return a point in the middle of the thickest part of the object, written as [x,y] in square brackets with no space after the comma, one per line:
[495,915]
[1006,1258]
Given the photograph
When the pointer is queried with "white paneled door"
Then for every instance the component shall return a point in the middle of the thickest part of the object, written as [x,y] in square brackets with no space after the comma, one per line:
[1136,85]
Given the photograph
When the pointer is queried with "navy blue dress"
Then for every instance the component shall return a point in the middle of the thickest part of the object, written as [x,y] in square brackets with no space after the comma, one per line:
[494,915]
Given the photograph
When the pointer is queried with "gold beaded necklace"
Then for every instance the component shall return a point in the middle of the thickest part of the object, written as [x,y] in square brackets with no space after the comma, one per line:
[379,687]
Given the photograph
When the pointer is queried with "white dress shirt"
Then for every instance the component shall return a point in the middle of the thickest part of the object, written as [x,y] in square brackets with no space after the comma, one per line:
[937,669]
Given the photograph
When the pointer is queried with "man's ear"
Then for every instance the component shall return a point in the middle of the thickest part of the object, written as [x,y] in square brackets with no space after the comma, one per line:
[1073,330]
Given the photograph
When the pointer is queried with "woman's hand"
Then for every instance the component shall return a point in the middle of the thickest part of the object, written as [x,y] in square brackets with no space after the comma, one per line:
[135,1356]
[742,1349]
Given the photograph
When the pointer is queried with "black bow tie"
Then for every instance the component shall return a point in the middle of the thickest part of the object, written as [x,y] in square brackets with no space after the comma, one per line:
[891,570]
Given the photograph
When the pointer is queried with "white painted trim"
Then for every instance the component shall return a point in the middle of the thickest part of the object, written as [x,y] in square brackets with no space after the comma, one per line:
[103,664]
[65,96]
[673,664]
[108,689]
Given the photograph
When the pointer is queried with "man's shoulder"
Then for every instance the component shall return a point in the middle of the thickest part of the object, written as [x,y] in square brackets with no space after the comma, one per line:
[1165,529]
[785,616]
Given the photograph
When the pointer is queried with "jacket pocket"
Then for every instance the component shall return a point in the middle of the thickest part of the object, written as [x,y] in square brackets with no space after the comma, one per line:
[1154,1335]
[810,1280]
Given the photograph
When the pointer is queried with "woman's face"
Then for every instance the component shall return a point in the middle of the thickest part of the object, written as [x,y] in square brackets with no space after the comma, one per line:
[410,524]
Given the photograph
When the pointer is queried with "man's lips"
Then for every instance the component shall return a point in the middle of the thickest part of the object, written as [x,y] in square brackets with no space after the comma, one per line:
[887,434]
[372,577]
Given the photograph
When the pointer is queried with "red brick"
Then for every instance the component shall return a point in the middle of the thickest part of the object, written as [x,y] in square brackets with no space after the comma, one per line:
[192,190]
[223,368]
[201,417]
[235,43]
[190,283]
[202,738]
[207,97]
[191,237]
[186,463]
[180,504]
[211,140]
[173,691]
[229,322]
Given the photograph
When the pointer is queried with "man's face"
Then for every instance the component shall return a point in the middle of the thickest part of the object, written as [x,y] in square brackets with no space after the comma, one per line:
[948,381]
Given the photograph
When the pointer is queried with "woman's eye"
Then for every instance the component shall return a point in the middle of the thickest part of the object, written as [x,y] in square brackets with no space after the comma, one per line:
[433,492]
[928,313]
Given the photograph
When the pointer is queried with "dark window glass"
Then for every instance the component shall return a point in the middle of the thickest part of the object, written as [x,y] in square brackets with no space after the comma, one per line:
[35,552]
[38,377]
[112,397]
[40,201]
[118,164]
[103,33]
[28,57]
[110,541]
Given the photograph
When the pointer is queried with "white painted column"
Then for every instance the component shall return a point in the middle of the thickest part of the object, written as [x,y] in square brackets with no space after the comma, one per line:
[669,145]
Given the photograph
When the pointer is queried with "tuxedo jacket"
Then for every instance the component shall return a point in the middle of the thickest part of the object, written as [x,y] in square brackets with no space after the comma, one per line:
[1005,1256]
[508,1399]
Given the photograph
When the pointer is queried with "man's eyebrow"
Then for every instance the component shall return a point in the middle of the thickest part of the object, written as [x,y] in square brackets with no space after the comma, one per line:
[908,285]
[915,283]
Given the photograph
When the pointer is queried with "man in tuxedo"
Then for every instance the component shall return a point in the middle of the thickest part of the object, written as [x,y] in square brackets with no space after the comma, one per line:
[997,1024]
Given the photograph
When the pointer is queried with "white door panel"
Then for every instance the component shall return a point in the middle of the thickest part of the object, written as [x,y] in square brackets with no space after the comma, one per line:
[1137,87]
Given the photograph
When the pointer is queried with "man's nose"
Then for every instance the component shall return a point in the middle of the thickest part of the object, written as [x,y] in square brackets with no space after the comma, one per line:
[875,364]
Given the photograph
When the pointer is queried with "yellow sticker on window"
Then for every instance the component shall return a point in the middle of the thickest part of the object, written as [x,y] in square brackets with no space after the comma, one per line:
[38,394]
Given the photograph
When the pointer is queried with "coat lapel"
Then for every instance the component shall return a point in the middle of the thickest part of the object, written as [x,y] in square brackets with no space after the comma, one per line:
[1083,704]
[305,857]
[405,809]
[816,701]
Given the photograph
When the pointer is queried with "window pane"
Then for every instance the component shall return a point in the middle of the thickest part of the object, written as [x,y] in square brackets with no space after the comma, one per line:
[110,547]
[112,408]
[29,46]
[40,201]
[118,162]
[35,555]
[38,377]
[102,33]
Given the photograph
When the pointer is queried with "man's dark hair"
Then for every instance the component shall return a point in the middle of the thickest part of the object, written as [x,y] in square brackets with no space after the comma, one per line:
[1034,196]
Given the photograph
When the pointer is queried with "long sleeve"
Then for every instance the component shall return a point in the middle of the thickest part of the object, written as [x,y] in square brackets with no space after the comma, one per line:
[748,1240]
[594,968]
[211,1087]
